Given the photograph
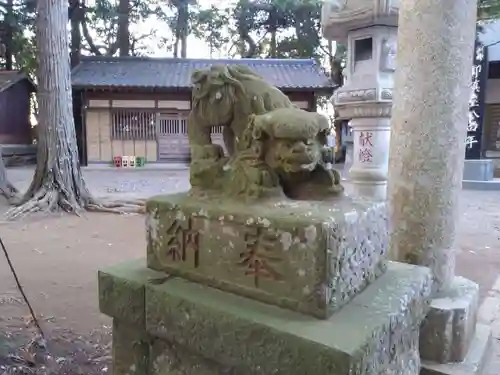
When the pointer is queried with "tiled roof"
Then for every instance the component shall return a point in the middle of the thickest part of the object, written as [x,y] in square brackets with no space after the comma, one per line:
[144,72]
[8,78]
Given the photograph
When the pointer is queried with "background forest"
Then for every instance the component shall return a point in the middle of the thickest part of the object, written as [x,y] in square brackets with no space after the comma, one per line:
[238,28]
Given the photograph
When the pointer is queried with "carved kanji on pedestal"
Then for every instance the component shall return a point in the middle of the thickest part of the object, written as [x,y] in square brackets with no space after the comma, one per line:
[181,239]
[258,259]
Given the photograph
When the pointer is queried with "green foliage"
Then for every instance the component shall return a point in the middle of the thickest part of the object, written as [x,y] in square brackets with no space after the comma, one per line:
[270,28]
[25,53]
[100,25]
[239,28]
[209,25]
[179,20]
[278,28]
[489,9]
[17,34]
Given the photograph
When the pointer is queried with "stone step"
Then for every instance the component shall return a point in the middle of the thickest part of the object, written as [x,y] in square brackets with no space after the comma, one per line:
[475,361]
[376,333]
[448,329]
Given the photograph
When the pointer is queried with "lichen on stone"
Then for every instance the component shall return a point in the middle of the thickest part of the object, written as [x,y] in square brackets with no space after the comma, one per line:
[152,226]
[274,148]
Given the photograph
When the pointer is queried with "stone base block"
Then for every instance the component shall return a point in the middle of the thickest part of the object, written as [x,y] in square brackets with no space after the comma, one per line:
[448,328]
[475,361]
[307,256]
[478,170]
[189,328]
[482,185]
[130,349]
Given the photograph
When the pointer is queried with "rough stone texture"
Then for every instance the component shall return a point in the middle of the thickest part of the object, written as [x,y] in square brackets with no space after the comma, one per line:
[262,339]
[448,328]
[429,122]
[130,349]
[489,314]
[429,126]
[197,330]
[121,291]
[169,358]
[473,364]
[312,257]
[172,359]
[122,296]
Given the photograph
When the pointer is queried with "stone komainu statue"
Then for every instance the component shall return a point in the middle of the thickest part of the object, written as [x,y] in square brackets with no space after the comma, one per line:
[275,149]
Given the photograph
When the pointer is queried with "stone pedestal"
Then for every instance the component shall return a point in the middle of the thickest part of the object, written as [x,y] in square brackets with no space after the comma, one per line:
[232,288]
[479,175]
[449,327]
[478,170]
[451,340]
[429,126]
[312,257]
[167,325]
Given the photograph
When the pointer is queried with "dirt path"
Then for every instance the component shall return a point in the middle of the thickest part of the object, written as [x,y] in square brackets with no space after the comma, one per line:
[57,260]
[478,253]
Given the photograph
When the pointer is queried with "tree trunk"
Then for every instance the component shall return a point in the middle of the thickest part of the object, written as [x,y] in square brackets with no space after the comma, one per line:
[75,14]
[176,48]
[274,44]
[9,25]
[338,79]
[184,47]
[123,28]
[177,37]
[183,27]
[8,190]
[58,181]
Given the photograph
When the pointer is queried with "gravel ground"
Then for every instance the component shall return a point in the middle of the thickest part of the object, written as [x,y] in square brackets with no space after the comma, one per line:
[122,183]
[45,256]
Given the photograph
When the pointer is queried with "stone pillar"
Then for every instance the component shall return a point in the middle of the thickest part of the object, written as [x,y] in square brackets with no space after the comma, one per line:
[429,122]
[429,126]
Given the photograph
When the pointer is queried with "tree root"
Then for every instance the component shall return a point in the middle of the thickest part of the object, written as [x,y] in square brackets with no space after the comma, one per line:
[10,193]
[50,200]
[118,207]
[42,201]
[7,189]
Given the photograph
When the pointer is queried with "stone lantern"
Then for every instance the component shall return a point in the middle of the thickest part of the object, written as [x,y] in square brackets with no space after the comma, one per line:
[369,30]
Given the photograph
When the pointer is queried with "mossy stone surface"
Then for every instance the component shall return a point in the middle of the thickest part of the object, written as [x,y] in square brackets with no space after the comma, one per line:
[378,330]
[193,329]
[121,290]
[131,348]
[308,256]
[167,358]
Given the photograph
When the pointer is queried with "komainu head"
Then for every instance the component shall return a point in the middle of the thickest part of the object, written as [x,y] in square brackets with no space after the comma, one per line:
[286,149]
